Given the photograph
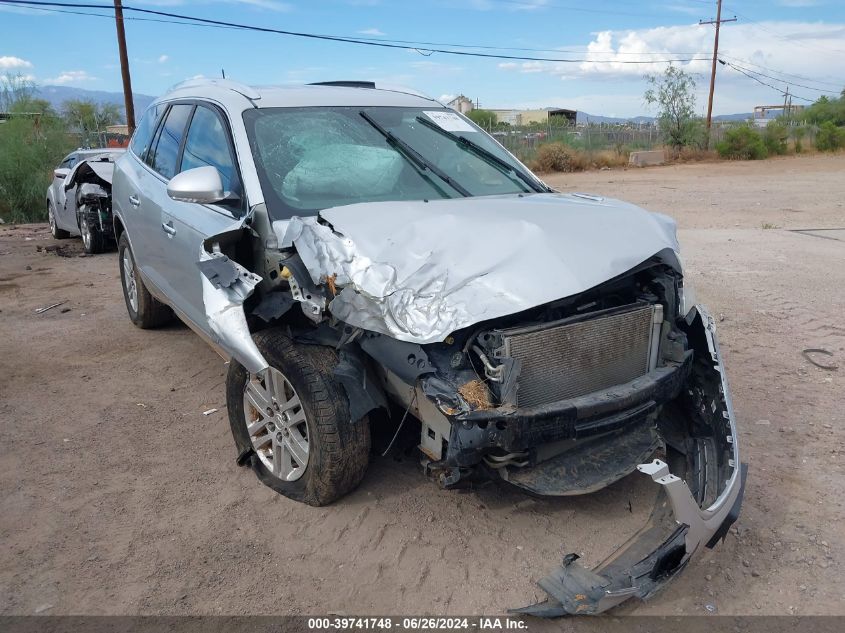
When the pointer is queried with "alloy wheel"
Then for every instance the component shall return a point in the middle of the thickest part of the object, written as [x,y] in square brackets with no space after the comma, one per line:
[276,425]
[129,281]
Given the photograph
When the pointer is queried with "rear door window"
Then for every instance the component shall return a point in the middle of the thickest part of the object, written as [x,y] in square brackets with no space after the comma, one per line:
[144,132]
[207,144]
[165,155]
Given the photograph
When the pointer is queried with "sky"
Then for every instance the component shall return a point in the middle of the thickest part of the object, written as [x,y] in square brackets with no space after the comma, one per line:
[797,41]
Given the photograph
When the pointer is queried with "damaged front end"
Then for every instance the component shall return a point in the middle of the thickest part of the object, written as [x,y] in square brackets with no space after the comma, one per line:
[558,386]
[699,497]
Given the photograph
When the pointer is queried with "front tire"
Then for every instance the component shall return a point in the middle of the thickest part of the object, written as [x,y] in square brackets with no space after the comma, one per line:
[55,231]
[92,237]
[293,425]
[144,310]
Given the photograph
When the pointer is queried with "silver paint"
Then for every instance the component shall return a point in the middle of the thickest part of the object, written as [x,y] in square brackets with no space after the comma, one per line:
[418,271]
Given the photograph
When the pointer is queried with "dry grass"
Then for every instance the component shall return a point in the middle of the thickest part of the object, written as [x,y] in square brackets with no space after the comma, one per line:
[476,394]
[557,157]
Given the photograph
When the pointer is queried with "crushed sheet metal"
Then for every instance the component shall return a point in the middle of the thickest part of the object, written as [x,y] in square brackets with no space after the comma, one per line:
[417,271]
[225,314]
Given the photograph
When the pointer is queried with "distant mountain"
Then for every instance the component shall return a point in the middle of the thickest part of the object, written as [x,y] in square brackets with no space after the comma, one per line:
[733,117]
[57,95]
[584,117]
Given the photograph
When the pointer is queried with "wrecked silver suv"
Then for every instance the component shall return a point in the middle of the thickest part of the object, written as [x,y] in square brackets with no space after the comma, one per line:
[350,247]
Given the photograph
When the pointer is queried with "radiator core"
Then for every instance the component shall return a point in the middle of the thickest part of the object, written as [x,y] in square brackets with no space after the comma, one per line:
[579,356]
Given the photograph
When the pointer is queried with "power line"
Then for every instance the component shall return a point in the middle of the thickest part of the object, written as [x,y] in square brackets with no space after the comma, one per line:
[759,81]
[391,40]
[347,40]
[837,84]
[789,83]
[65,8]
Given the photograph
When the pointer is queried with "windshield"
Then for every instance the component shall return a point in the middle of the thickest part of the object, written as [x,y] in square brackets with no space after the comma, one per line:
[314,158]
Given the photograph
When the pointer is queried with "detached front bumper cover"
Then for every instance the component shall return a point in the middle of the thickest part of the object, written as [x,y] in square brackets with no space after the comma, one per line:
[677,528]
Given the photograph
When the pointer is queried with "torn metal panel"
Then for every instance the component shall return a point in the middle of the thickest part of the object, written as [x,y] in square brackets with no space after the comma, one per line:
[417,271]
[224,310]
[221,271]
[98,169]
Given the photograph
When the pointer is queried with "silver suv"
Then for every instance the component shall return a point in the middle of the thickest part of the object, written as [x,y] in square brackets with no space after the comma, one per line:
[358,251]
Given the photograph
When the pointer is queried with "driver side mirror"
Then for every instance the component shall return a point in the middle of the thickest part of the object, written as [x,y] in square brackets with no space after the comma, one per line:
[202,185]
[61,172]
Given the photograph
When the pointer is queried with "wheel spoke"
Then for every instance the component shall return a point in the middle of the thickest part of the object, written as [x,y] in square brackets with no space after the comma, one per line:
[277,459]
[289,406]
[256,399]
[277,425]
[298,447]
[295,419]
[254,427]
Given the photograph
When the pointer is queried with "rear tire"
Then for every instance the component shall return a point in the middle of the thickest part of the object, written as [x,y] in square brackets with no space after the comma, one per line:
[92,237]
[55,231]
[145,311]
[337,448]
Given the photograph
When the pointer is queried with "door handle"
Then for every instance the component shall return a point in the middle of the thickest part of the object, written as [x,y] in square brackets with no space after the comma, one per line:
[169,228]
[134,200]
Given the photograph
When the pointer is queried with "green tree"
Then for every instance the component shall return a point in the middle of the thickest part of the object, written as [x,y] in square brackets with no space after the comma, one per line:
[32,142]
[830,138]
[482,118]
[90,119]
[673,94]
[827,109]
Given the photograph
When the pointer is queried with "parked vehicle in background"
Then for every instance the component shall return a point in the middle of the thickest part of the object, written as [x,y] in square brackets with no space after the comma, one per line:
[346,246]
[79,198]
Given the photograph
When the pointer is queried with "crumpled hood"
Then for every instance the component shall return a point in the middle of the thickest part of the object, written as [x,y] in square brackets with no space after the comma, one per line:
[417,271]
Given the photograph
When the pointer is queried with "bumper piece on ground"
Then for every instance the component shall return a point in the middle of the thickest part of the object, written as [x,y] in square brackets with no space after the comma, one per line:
[676,529]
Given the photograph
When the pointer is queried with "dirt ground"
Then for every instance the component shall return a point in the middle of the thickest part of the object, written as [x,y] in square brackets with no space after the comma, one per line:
[118,496]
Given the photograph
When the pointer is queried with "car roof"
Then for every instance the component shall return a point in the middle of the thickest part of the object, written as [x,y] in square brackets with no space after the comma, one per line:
[237,97]
[99,150]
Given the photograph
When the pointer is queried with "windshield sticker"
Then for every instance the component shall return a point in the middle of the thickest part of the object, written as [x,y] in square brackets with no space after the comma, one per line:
[449,121]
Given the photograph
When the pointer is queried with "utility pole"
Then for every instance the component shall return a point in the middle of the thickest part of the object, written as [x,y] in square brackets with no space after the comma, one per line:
[124,67]
[718,21]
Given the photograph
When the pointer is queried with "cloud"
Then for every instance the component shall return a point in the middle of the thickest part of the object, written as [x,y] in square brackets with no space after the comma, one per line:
[70,77]
[371,31]
[799,4]
[8,62]
[801,48]
[163,58]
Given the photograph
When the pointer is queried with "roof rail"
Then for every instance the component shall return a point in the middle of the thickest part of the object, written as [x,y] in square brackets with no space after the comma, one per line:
[247,91]
[346,84]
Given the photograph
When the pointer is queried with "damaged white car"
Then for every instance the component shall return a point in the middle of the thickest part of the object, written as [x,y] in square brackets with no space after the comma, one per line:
[349,247]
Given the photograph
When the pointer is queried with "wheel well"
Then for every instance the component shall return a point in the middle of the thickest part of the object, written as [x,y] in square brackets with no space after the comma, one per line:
[118,228]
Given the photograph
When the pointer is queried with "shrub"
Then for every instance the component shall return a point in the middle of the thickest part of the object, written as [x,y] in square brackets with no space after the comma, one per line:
[798,134]
[774,137]
[558,157]
[830,138]
[742,142]
[29,150]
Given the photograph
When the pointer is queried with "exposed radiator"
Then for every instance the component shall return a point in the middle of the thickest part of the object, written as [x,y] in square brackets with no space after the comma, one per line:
[581,355]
